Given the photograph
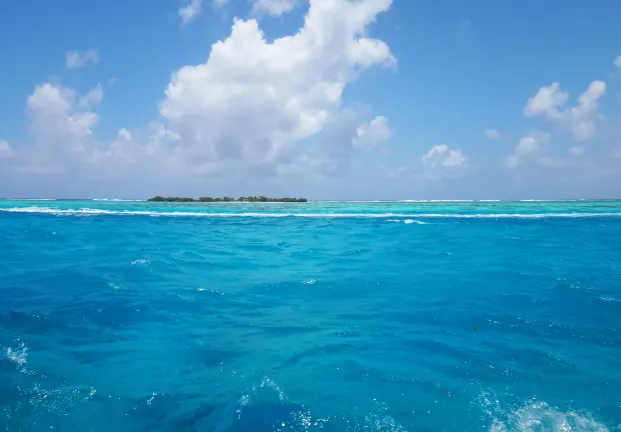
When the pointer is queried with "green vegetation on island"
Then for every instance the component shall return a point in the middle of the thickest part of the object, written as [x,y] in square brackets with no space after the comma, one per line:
[260,199]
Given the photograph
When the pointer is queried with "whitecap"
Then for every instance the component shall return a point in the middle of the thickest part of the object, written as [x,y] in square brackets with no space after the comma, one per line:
[18,355]
[116,199]
[210,290]
[300,417]
[115,286]
[309,281]
[536,416]
[413,221]
[29,199]
[610,299]
[539,416]
[101,212]
[141,262]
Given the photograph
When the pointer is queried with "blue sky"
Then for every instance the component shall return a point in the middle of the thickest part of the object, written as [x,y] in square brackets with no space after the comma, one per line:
[365,99]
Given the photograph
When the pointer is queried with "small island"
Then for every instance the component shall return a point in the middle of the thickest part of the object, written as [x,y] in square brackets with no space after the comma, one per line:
[259,199]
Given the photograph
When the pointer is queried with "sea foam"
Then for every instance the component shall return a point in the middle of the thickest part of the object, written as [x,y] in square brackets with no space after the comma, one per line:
[103,212]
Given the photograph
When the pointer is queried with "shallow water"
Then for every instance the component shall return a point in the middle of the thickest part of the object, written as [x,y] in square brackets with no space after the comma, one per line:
[132,316]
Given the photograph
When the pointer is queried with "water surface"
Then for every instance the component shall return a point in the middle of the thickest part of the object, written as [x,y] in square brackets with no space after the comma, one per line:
[371,316]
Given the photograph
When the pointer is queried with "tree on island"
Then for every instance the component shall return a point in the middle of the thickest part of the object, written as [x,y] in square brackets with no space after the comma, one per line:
[170,199]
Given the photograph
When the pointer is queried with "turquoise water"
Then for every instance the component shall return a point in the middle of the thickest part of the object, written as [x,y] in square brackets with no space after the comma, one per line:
[133,316]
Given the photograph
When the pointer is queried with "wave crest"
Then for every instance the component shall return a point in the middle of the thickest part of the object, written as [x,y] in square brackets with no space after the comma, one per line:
[103,212]
[536,416]
[540,416]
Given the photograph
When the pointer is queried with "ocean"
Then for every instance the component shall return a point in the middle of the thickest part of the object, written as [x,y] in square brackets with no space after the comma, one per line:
[320,316]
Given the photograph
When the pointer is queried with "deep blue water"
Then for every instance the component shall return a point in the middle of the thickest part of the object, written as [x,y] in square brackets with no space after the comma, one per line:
[131,316]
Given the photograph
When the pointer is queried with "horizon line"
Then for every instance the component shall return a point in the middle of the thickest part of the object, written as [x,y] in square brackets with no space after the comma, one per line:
[326,200]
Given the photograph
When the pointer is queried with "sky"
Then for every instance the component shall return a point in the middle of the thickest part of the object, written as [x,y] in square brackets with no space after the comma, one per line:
[323,99]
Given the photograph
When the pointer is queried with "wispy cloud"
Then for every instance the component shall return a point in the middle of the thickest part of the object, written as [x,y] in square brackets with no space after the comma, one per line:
[493,134]
[79,59]
[191,11]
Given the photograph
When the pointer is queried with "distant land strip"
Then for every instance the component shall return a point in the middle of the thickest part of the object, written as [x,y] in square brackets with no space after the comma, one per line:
[227,199]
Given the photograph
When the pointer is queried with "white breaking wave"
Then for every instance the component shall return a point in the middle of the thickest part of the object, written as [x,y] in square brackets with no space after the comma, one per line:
[431,201]
[610,299]
[540,417]
[116,200]
[103,212]
[549,200]
[536,416]
[18,355]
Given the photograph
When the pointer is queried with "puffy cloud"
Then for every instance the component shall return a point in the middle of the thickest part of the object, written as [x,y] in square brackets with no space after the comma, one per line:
[253,110]
[617,62]
[56,114]
[527,149]
[252,101]
[61,131]
[61,126]
[61,123]
[546,102]
[439,164]
[273,7]
[493,134]
[342,137]
[191,11]
[124,134]
[91,98]
[5,150]
[79,59]
[579,120]
[442,155]
[373,133]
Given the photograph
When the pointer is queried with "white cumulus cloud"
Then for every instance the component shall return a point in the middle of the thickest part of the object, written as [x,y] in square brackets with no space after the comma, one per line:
[56,112]
[442,155]
[124,134]
[256,109]
[92,98]
[191,11]
[528,149]
[579,120]
[79,59]
[253,100]
[61,133]
[617,62]
[373,133]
